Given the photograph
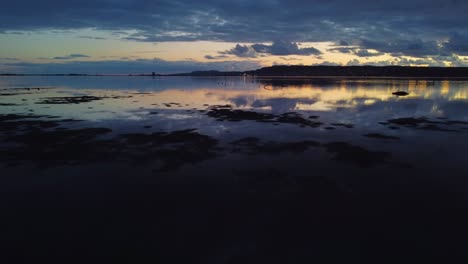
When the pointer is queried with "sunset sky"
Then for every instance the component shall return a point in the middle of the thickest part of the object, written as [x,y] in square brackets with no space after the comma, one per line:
[168,36]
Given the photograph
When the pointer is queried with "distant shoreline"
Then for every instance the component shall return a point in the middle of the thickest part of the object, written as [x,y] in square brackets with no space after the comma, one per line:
[253,77]
[305,72]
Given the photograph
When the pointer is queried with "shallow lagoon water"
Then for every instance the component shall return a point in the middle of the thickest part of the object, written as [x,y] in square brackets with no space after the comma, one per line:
[277,170]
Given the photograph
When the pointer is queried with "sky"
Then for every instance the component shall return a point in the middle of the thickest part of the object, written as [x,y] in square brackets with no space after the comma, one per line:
[170,36]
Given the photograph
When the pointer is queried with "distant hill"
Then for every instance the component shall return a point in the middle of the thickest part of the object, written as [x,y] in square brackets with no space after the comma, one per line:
[362,71]
[312,71]
[209,73]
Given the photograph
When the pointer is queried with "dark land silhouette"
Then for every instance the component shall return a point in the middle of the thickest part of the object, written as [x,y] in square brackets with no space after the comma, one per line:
[360,71]
[308,71]
[347,71]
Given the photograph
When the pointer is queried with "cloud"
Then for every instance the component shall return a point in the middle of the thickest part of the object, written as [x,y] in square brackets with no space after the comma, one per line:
[404,47]
[277,48]
[94,38]
[366,53]
[347,50]
[353,62]
[417,28]
[440,61]
[127,66]
[327,63]
[242,51]
[210,57]
[356,51]
[71,56]
[343,43]
[457,44]
[284,48]
[240,21]
[8,59]
[289,59]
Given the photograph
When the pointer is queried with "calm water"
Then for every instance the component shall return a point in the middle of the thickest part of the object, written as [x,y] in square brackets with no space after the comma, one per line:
[300,167]
[347,108]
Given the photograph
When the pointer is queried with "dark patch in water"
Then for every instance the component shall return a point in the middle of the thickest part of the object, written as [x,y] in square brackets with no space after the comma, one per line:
[358,155]
[16,122]
[266,180]
[241,115]
[172,104]
[12,94]
[69,100]
[294,118]
[342,125]
[455,122]
[411,121]
[254,145]
[400,93]
[426,124]
[220,107]
[173,149]
[343,151]
[62,146]
[76,99]
[381,136]
[58,147]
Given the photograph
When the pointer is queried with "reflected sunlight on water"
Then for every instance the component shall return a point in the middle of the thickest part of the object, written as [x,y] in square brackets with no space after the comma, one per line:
[261,115]
[351,96]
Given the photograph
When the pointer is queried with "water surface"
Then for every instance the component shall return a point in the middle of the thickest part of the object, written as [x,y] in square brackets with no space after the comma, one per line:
[340,163]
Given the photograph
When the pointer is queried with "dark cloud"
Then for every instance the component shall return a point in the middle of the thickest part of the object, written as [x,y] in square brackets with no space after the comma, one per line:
[284,48]
[453,61]
[343,43]
[348,50]
[243,51]
[289,59]
[399,27]
[127,66]
[278,48]
[327,63]
[71,56]
[209,57]
[94,38]
[366,53]
[13,32]
[353,62]
[404,47]
[8,59]
[457,44]
[356,51]
[148,51]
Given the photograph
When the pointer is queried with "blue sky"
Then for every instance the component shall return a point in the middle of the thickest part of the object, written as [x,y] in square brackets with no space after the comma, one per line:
[133,36]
